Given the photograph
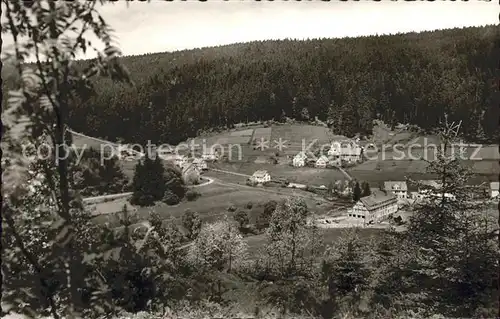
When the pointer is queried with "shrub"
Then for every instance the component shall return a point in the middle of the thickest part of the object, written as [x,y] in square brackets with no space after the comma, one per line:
[241,217]
[192,195]
[231,209]
[170,198]
[192,223]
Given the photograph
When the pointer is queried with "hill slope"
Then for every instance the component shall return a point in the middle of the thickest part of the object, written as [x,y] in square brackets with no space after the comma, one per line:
[408,78]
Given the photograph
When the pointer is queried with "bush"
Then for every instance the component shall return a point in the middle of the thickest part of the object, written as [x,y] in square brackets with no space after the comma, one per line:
[192,223]
[241,217]
[142,200]
[170,198]
[192,195]
[231,209]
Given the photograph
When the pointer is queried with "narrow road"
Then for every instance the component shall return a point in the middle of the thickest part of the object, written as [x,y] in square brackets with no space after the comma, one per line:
[104,197]
[229,172]
[269,190]
[345,173]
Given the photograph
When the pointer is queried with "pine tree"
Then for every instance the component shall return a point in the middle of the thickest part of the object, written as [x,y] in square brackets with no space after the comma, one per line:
[149,183]
[456,256]
[356,193]
[366,191]
[346,269]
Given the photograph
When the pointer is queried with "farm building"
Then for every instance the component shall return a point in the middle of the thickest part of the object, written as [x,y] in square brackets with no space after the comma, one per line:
[334,149]
[494,189]
[210,155]
[430,189]
[180,160]
[322,162]
[374,208]
[260,177]
[397,188]
[299,160]
[200,164]
[334,161]
[191,174]
[348,151]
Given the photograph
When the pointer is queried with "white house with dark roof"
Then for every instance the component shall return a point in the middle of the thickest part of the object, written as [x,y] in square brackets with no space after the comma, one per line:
[322,161]
[494,189]
[299,160]
[397,188]
[260,177]
[210,154]
[348,151]
[334,150]
[374,208]
[191,174]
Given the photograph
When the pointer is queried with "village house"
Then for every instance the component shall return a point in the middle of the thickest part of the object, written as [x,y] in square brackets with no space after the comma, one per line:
[191,174]
[430,189]
[334,161]
[334,150]
[299,160]
[210,155]
[180,160]
[321,162]
[200,163]
[397,188]
[260,177]
[374,208]
[348,151]
[494,189]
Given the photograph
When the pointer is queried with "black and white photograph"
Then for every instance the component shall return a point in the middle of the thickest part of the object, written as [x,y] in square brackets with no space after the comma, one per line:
[250,159]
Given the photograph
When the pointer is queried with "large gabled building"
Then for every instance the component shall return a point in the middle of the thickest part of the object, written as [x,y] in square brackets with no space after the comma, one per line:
[374,208]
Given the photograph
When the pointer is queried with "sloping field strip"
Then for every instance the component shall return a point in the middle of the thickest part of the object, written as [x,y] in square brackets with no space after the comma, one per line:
[228,172]
[91,200]
[298,133]
[262,132]
[233,140]
[100,141]
[244,133]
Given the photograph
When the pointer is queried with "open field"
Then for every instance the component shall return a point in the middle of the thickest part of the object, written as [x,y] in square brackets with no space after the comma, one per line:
[307,175]
[295,133]
[214,203]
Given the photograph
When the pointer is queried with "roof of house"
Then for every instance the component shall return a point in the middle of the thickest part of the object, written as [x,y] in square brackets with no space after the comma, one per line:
[323,158]
[301,155]
[395,185]
[494,185]
[189,167]
[376,200]
[260,173]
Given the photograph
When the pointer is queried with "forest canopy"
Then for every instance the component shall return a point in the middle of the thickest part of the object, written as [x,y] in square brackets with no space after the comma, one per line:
[405,78]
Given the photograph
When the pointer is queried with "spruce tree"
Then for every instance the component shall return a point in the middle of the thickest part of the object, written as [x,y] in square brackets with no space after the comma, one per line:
[149,183]
[356,193]
[456,256]
[366,191]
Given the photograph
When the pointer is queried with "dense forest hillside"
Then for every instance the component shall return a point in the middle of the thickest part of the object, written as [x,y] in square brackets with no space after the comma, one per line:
[410,78]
